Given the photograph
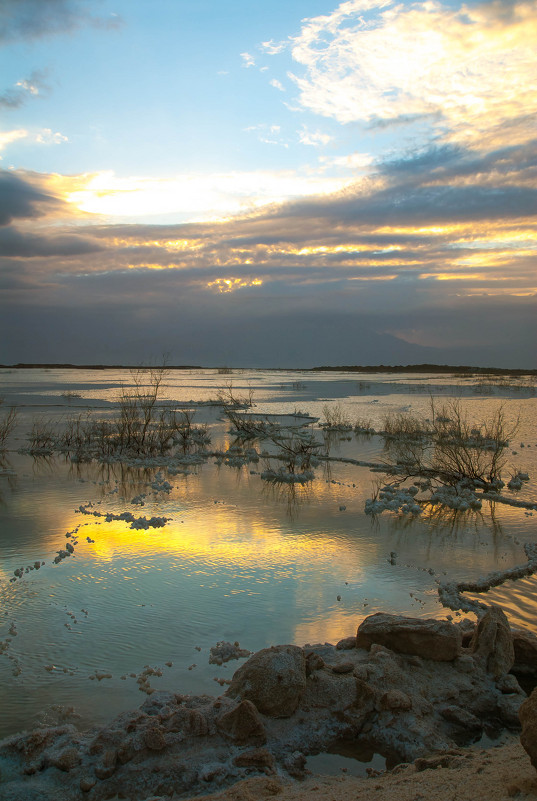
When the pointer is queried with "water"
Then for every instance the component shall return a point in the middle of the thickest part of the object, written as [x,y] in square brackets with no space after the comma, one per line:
[239,559]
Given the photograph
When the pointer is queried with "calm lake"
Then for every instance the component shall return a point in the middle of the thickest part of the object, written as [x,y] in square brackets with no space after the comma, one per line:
[238,558]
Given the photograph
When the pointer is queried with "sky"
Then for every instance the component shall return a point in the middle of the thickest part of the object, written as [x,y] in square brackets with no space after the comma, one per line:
[268,183]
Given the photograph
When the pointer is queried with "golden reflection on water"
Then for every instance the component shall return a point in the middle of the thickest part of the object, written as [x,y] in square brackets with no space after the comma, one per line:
[227,540]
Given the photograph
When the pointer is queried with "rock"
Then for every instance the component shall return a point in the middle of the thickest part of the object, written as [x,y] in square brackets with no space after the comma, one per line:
[256,758]
[438,640]
[66,760]
[396,700]
[274,679]
[508,684]
[87,784]
[343,667]
[189,721]
[105,740]
[326,690]
[365,695]
[461,717]
[243,724]
[525,645]
[154,739]
[509,707]
[295,765]
[346,644]
[107,765]
[126,751]
[465,663]
[314,661]
[528,717]
[492,643]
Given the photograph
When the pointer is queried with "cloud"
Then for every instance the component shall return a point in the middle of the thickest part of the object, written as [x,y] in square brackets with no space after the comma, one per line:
[273,48]
[44,136]
[277,85]
[16,244]
[33,19]
[47,137]
[247,60]
[195,195]
[32,86]
[20,199]
[7,137]
[398,257]
[468,70]
[313,138]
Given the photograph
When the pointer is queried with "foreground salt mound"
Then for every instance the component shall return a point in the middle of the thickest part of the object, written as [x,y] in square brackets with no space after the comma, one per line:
[417,692]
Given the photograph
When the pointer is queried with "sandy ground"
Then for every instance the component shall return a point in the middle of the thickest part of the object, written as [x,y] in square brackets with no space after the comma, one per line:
[473,774]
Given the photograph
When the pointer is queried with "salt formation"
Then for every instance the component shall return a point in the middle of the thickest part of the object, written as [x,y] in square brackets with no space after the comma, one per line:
[282,476]
[392,498]
[224,651]
[128,517]
[403,687]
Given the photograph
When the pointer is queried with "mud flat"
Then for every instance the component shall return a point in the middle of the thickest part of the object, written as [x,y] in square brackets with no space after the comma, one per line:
[415,690]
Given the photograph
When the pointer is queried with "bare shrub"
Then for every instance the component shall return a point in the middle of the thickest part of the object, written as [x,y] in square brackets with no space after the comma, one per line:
[231,400]
[298,451]
[7,424]
[42,437]
[451,448]
[335,418]
[364,426]
[400,425]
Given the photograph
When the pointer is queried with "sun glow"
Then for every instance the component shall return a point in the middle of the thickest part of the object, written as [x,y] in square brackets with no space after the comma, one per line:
[196,197]
[225,285]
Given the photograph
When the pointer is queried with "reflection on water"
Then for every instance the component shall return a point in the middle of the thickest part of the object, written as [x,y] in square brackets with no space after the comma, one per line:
[239,559]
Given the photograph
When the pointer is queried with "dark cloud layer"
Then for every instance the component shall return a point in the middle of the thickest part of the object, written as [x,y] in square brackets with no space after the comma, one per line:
[19,198]
[431,259]
[32,19]
[18,95]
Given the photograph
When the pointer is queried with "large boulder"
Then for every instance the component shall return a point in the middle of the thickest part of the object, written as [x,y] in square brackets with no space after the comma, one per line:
[274,679]
[525,645]
[528,718]
[438,640]
[492,643]
[243,724]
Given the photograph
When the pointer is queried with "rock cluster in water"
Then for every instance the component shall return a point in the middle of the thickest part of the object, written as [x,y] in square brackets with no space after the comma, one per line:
[402,686]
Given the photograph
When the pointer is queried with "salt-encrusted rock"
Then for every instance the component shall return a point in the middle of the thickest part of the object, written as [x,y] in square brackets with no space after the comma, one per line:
[313,662]
[65,760]
[346,644]
[508,684]
[438,640]
[106,739]
[255,758]
[509,707]
[107,765]
[492,643]
[343,667]
[243,724]
[154,739]
[327,690]
[525,645]
[295,765]
[528,718]
[461,717]
[189,721]
[274,679]
[396,700]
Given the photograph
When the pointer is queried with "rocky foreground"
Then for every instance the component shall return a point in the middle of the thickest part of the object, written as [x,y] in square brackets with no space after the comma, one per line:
[413,690]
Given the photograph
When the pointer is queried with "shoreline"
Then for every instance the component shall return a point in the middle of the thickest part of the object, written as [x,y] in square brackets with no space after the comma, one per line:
[409,368]
[419,691]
